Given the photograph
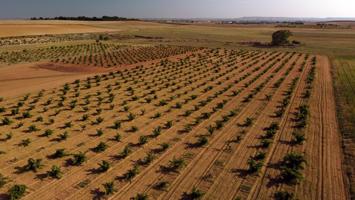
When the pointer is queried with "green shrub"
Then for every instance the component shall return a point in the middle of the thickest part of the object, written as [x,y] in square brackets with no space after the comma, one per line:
[55,172]
[109,188]
[101,147]
[104,166]
[17,192]
[284,195]
[78,159]
[33,165]
[254,166]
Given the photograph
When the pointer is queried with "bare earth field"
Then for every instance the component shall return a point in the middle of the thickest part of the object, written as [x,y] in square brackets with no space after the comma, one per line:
[23,28]
[170,116]
[26,78]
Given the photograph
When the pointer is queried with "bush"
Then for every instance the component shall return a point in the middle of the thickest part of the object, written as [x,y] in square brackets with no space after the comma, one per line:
[33,165]
[48,133]
[284,195]
[59,153]
[265,143]
[143,140]
[142,196]
[291,165]
[104,166]
[293,160]
[32,128]
[176,164]
[168,124]
[298,138]
[63,136]
[248,122]
[101,147]
[26,115]
[156,131]
[194,194]
[109,188]
[130,117]
[99,132]
[147,159]
[163,185]
[254,166]
[202,141]
[116,125]
[130,174]
[126,151]
[55,172]
[290,175]
[25,142]
[3,180]
[210,129]
[78,159]
[6,121]
[164,147]
[17,192]
[260,155]
[117,137]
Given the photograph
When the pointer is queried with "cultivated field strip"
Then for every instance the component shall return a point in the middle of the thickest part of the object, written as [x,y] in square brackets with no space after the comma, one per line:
[98,54]
[224,153]
[160,139]
[213,174]
[181,149]
[210,124]
[286,126]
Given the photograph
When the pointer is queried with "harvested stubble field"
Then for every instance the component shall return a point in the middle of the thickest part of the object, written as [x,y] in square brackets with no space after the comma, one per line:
[212,124]
[10,28]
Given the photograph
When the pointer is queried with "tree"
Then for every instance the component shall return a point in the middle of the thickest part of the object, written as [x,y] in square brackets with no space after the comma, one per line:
[280,37]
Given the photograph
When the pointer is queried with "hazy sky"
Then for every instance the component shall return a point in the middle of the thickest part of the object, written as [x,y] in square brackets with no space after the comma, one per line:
[178,8]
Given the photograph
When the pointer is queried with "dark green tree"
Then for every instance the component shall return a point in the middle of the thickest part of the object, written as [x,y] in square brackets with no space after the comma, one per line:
[280,37]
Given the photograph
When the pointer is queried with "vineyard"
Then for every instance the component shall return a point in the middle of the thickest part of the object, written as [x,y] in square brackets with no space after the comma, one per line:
[213,124]
[94,54]
[45,39]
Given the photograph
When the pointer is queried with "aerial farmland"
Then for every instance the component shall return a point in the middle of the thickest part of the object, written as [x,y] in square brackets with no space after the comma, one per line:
[154,109]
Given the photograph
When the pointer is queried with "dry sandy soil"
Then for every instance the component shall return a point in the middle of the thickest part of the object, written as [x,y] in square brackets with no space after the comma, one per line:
[19,79]
[24,28]
[219,168]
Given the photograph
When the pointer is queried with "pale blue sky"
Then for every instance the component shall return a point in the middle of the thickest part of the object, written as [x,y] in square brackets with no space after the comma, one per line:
[178,8]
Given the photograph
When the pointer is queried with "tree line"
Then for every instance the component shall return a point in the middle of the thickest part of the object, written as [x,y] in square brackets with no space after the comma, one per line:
[85,18]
